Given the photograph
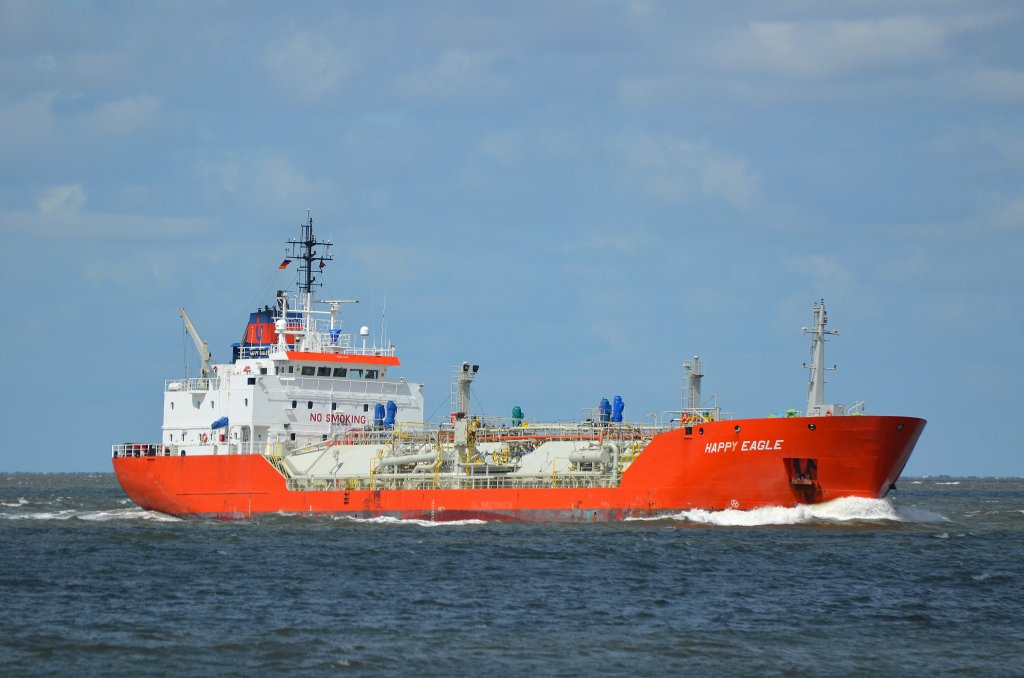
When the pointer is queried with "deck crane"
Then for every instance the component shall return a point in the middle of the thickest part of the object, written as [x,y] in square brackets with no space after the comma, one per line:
[201,346]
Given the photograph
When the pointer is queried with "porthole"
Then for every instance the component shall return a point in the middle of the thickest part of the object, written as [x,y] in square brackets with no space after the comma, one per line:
[701,430]
[737,428]
[899,427]
[811,426]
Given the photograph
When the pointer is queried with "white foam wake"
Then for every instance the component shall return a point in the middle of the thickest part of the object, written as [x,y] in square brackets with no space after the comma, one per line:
[133,513]
[844,509]
[389,520]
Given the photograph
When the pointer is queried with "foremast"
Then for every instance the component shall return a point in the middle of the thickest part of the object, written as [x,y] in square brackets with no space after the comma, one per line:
[816,379]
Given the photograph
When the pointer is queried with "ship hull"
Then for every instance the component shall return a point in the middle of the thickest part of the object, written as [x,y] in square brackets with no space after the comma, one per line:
[739,464]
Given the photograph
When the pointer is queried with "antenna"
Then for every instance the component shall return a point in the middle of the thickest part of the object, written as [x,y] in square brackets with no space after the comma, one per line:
[383,322]
[335,305]
[304,251]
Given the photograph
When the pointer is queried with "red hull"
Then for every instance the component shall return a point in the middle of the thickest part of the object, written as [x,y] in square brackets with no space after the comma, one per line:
[741,464]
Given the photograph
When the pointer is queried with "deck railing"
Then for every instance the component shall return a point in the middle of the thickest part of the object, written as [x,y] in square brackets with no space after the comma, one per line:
[139,450]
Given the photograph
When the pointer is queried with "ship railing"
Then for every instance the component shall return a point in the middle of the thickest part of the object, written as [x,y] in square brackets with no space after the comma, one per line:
[139,450]
[423,481]
[325,343]
[415,434]
[322,345]
[418,433]
[193,384]
[695,416]
[496,428]
[293,385]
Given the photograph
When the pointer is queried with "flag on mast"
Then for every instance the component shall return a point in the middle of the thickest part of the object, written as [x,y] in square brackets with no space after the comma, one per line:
[284,264]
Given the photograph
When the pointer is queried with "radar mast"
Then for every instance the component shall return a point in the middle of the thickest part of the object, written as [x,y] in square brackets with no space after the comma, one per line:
[304,250]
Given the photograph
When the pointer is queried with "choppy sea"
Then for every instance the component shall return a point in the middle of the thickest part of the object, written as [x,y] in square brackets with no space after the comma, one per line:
[928,581]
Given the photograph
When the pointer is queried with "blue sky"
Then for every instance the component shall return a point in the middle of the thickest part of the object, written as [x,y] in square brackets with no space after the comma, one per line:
[578,196]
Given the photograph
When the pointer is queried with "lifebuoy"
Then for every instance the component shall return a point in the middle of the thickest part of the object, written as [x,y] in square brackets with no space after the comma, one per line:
[205,437]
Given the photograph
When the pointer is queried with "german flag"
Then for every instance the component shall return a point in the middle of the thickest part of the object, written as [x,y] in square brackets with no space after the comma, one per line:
[284,264]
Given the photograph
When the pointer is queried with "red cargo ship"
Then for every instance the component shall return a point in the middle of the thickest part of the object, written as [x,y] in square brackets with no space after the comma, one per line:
[306,419]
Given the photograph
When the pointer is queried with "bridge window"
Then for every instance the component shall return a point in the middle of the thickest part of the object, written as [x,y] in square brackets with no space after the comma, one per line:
[308,370]
[323,371]
[371,374]
[355,374]
[339,371]
[291,369]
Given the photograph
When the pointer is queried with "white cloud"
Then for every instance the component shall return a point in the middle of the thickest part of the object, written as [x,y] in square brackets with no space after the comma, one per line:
[999,84]
[822,49]
[125,116]
[62,200]
[506,147]
[646,90]
[259,179]
[675,165]
[307,65]
[27,120]
[456,72]
[99,225]
[726,177]
[60,213]
[825,272]
[1011,215]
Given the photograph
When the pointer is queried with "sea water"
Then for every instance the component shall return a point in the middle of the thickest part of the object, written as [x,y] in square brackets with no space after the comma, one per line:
[930,580]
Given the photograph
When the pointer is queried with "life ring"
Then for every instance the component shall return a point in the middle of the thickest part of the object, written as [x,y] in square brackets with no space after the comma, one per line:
[205,437]
[828,413]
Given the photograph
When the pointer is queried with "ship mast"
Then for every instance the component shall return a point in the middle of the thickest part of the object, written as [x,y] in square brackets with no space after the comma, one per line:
[816,379]
[304,250]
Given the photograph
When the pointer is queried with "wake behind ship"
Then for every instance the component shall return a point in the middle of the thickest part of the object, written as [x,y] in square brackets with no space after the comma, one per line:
[307,418]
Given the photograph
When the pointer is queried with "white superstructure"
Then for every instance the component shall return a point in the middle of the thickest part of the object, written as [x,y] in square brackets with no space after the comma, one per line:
[295,379]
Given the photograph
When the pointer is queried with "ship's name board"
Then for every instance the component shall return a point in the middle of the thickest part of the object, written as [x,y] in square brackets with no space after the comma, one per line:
[336,418]
[743,446]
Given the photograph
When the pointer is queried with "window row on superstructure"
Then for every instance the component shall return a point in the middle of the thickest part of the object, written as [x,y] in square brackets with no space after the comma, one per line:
[328,371]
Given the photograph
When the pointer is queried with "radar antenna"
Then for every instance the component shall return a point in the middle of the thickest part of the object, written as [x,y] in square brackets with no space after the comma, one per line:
[304,251]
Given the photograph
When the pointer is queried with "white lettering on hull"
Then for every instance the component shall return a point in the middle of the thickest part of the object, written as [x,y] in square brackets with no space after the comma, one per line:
[744,446]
